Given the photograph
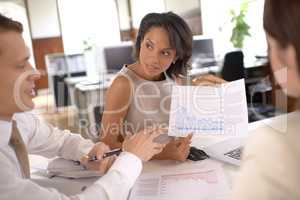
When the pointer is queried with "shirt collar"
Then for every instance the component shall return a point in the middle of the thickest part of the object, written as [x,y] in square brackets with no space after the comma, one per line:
[5,132]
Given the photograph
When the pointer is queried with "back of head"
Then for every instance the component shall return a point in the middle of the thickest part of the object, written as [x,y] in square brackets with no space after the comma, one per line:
[179,33]
[282,22]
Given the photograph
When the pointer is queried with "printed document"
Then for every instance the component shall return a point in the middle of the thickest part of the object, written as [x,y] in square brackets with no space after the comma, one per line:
[200,183]
[209,110]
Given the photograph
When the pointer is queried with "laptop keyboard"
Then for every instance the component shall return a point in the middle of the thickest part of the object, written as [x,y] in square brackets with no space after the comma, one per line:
[235,153]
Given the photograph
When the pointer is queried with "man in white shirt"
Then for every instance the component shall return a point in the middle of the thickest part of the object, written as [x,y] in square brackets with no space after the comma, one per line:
[17,79]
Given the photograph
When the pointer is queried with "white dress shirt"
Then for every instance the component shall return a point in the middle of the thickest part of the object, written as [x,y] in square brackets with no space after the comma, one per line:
[45,140]
[271,162]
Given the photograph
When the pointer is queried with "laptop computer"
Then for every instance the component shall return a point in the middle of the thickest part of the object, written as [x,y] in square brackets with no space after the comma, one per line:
[229,150]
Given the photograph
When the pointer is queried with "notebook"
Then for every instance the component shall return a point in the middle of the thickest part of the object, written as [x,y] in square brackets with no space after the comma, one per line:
[69,169]
[229,150]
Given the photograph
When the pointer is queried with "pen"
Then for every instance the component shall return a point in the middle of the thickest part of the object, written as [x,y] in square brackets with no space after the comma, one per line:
[107,154]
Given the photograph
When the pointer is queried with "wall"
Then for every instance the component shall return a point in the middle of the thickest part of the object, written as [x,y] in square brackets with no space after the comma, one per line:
[124,19]
[217,24]
[189,10]
[88,19]
[46,34]
[142,7]
[179,7]
[43,18]
[16,10]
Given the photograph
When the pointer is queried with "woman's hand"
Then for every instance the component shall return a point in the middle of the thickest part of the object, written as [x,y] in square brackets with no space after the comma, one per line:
[207,80]
[141,144]
[101,165]
[203,80]
[178,149]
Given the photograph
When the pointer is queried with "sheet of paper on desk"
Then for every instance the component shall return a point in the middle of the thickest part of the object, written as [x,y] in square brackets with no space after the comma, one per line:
[192,184]
[208,110]
[69,169]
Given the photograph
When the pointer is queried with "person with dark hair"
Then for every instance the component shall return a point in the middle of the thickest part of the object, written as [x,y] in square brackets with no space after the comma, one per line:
[179,36]
[22,132]
[140,94]
[271,159]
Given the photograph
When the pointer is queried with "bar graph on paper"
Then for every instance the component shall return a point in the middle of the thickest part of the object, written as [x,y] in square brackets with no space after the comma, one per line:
[186,122]
[209,110]
[192,186]
[196,184]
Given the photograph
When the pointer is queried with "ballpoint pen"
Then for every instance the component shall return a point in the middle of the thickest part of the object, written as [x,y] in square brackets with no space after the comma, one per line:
[107,154]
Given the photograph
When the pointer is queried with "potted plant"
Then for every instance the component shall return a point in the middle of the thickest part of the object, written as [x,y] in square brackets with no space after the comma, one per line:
[240,27]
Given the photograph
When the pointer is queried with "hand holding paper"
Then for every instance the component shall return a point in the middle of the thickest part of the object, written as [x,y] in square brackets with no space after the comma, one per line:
[207,80]
[209,110]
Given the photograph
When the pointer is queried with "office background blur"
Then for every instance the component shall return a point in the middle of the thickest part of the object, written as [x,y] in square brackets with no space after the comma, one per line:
[81,44]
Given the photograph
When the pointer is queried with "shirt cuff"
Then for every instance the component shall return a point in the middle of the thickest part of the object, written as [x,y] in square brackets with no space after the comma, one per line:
[129,165]
[119,179]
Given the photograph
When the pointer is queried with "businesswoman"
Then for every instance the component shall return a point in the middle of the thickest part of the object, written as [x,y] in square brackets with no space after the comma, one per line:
[140,95]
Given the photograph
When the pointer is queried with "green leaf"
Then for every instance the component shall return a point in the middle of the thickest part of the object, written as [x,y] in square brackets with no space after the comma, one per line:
[241,28]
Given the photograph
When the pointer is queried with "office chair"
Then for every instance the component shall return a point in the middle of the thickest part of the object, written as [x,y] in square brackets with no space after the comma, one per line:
[233,67]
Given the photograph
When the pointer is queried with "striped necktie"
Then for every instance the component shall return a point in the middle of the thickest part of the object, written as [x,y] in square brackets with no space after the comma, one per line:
[19,147]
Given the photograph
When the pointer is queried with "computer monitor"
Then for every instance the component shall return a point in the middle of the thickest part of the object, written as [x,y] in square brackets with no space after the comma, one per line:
[203,53]
[118,55]
[60,66]
[60,63]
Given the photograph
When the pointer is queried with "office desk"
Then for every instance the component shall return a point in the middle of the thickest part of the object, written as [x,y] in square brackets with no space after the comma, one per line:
[254,69]
[74,186]
[71,82]
[85,83]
